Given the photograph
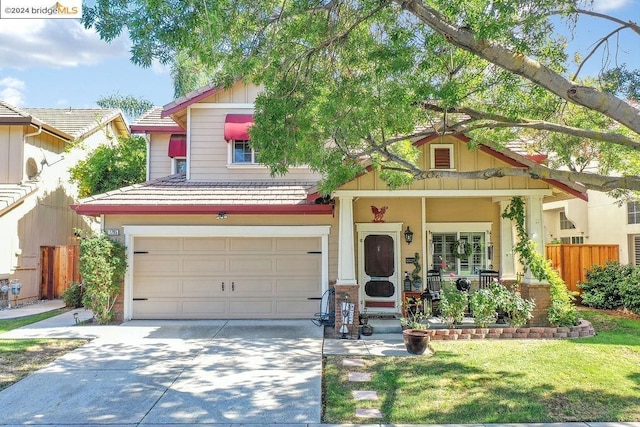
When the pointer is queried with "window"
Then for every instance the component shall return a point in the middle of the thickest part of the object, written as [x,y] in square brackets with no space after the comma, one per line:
[573,240]
[565,223]
[633,212]
[242,153]
[179,165]
[445,245]
[636,250]
[441,156]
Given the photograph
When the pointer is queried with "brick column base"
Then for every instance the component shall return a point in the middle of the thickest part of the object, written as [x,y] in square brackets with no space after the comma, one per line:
[347,293]
[541,295]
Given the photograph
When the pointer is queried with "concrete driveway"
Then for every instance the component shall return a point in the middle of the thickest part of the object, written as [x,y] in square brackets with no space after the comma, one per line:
[173,372]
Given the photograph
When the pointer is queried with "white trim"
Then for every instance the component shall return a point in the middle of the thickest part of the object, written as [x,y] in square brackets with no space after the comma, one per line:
[127,298]
[443,193]
[379,226]
[227,230]
[443,227]
[227,105]
[188,175]
[174,168]
[432,159]
[147,138]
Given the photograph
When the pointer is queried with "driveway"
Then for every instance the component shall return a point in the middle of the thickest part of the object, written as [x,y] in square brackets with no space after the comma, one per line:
[173,372]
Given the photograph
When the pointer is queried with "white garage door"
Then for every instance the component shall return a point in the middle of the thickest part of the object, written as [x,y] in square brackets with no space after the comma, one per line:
[226,277]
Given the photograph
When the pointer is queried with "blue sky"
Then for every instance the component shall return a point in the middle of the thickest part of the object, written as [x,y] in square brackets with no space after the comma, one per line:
[58,63]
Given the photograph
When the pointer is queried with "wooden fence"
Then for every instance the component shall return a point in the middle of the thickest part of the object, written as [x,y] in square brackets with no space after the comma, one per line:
[573,261]
[58,268]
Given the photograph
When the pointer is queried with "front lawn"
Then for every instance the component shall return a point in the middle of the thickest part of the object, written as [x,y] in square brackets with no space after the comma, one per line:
[22,357]
[513,381]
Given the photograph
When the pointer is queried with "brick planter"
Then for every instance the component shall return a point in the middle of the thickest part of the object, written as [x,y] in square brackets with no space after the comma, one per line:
[582,330]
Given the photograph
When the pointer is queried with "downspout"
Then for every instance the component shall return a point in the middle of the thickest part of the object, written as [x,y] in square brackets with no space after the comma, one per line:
[24,142]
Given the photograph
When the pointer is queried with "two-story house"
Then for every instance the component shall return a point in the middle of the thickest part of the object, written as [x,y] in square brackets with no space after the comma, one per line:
[37,148]
[213,235]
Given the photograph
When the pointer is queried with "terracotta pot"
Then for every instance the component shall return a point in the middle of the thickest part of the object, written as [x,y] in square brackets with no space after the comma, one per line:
[416,340]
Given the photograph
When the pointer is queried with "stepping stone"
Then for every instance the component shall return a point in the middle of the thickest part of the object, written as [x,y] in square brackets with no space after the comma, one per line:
[368,413]
[353,362]
[359,376]
[364,395]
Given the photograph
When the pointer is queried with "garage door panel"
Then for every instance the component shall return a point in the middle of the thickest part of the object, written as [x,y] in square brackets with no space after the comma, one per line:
[208,264]
[252,244]
[156,264]
[251,265]
[156,286]
[211,244]
[202,287]
[295,308]
[158,244]
[248,287]
[298,265]
[299,244]
[305,287]
[156,309]
[203,309]
[251,308]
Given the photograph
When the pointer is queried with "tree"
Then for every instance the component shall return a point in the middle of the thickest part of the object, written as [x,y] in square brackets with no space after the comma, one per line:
[130,105]
[110,167]
[352,80]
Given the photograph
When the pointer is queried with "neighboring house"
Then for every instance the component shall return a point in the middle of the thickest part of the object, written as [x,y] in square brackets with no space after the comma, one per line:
[225,239]
[37,148]
[600,220]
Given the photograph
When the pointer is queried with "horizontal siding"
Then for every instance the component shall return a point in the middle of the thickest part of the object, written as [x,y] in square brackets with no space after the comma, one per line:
[159,160]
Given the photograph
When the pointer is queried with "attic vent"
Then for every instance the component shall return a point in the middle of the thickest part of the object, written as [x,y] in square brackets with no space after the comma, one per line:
[441,156]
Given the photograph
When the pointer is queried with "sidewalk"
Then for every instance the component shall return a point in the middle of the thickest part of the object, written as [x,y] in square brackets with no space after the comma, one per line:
[31,308]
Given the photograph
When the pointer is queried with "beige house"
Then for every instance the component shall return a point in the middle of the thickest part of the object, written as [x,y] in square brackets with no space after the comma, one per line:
[213,235]
[37,148]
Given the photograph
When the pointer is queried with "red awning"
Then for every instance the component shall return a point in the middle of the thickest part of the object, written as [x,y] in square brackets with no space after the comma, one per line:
[236,127]
[178,146]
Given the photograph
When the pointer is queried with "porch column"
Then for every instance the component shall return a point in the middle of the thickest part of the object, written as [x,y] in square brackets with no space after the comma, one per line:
[534,226]
[346,251]
[507,257]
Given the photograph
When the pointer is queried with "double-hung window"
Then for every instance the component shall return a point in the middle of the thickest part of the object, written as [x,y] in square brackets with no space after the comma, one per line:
[243,154]
[460,252]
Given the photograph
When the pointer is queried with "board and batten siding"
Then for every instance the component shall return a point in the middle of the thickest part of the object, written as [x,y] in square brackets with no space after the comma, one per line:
[11,154]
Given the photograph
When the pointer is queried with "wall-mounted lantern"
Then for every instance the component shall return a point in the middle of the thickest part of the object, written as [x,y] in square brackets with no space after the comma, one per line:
[408,235]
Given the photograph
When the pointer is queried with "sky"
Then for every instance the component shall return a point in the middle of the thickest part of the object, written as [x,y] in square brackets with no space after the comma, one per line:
[57,63]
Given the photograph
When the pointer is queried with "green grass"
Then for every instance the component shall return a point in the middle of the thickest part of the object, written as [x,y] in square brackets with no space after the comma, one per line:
[21,357]
[9,324]
[589,379]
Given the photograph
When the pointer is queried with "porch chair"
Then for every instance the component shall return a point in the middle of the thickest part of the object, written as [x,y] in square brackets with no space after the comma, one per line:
[486,277]
[433,291]
[327,314]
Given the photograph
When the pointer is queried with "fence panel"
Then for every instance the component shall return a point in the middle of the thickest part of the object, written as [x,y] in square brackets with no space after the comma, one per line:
[59,267]
[573,261]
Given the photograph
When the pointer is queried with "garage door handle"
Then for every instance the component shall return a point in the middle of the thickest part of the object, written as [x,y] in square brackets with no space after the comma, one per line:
[222,286]
[233,286]
[141,299]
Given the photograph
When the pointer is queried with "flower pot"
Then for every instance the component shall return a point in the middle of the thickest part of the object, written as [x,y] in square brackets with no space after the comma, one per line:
[416,340]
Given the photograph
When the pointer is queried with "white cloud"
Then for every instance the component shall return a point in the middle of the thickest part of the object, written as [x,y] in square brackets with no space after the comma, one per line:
[610,5]
[11,91]
[54,42]
[158,68]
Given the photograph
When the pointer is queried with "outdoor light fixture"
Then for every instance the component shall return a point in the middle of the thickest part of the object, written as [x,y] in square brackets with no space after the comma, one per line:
[222,215]
[408,235]
[75,316]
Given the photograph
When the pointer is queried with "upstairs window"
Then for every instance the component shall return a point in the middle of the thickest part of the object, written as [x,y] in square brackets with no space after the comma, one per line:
[243,153]
[441,156]
[633,212]
[180,165]
[565,223]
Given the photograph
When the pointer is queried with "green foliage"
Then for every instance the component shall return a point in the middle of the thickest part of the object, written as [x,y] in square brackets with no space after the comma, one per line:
[601,289]
[72,296]
[562,310]
[417,268]
[110,167]
[130,105]
[453,304]
[347,81]
[483,306]
[414,314]
[102,266]
[630,290]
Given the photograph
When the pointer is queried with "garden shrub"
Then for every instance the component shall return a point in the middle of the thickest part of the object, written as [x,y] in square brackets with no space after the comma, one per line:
[72,296]
[484,307]
[102,265]
[630,291]
[602,287]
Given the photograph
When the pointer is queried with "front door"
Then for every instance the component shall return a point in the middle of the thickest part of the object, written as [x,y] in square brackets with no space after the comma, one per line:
[378,271]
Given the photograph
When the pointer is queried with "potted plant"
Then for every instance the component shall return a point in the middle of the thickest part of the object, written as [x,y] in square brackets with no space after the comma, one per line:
[453,304]
[416,278]
[414,329]
[365,328]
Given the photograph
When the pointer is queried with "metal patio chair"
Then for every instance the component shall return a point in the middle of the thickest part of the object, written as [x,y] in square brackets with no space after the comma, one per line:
[327,314]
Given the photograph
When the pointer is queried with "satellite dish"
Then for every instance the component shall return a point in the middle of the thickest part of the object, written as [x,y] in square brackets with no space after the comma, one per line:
[33,168]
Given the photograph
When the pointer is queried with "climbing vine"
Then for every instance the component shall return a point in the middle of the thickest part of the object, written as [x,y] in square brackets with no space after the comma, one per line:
[562,311]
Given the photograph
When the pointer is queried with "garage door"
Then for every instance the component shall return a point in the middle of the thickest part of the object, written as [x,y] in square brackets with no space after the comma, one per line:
[226,277]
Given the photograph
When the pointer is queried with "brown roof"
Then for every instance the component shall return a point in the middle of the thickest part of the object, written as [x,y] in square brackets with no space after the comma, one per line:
[152,121]
[11,194]
[174,194]
[76,122]
[9,111]
[190,98]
